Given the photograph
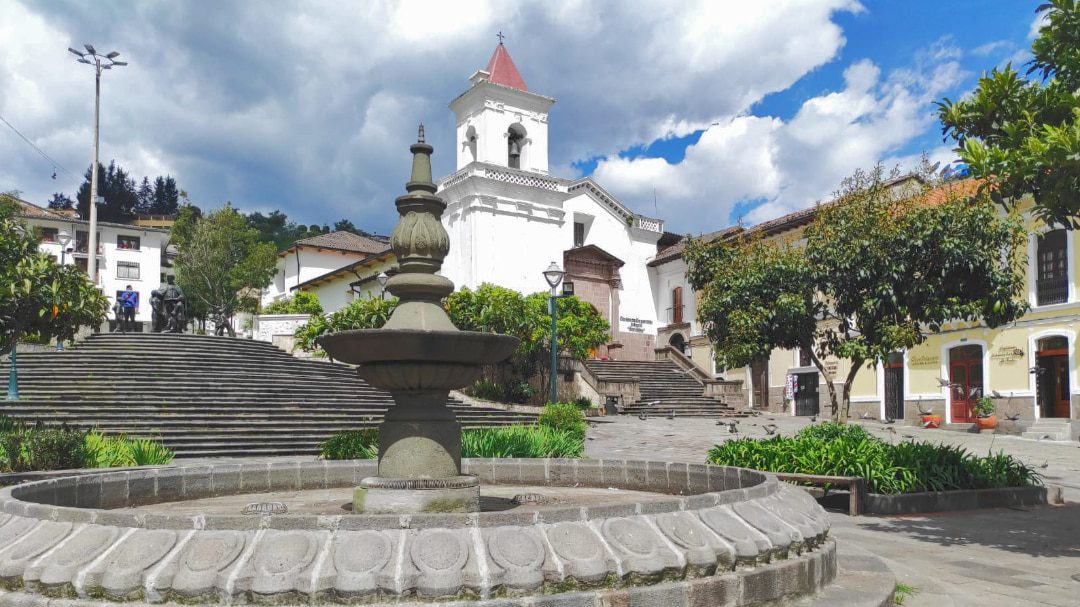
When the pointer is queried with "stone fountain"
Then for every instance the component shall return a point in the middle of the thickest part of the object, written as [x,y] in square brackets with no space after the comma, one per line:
[419,356]
[408,529]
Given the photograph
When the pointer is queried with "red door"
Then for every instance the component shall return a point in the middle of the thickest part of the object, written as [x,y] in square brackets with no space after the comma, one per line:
[965,381]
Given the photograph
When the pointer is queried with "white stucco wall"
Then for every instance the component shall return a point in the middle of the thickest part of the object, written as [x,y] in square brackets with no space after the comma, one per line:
[668,276]
[312,263]
[336,294]
[484,115]
[148,256]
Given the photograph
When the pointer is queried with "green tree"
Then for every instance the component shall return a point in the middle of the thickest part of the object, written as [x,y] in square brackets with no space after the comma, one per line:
[1021,133]
[38,296]
[221,265]
[881,269]
[60,202]
[304,302]
[117,188]
[165,199]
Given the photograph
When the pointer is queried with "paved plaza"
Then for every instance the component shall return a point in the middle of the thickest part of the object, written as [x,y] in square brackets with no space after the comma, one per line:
[984,557]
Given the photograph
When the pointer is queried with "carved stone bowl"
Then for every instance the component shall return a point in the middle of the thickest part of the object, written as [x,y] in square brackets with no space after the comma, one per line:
[720,536]
[413,359]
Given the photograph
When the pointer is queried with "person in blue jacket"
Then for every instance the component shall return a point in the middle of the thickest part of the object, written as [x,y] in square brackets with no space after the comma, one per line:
[129,303]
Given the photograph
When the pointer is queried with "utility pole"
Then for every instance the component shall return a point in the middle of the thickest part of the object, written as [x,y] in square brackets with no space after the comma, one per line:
[100,62]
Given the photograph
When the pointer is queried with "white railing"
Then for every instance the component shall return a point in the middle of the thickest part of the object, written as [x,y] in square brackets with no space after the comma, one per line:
[504,174]
[649,224]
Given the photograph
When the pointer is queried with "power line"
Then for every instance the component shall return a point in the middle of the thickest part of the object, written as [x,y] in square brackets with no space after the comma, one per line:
[55,164]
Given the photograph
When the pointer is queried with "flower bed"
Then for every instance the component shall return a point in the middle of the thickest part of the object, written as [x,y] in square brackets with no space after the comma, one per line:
[889,468]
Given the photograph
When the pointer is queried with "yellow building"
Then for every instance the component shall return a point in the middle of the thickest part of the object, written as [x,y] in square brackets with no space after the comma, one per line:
[1028,367]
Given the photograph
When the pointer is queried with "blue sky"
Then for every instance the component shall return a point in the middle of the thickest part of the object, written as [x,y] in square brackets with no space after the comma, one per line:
[724,109]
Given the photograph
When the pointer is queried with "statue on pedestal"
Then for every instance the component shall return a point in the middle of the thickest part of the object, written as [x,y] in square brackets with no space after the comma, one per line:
[169,308]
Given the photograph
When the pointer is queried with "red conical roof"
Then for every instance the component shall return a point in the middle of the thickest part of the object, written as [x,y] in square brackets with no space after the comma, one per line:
[502,70]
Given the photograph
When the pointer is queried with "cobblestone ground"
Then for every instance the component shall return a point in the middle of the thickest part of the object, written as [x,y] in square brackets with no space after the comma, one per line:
[976,558]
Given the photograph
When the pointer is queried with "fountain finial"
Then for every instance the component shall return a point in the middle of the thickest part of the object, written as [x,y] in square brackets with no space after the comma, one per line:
[420,135]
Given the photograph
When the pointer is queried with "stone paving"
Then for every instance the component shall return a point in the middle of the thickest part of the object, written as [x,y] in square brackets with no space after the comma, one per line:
[984,557]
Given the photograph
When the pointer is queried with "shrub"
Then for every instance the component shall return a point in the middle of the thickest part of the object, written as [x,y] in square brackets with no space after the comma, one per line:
[366,313]
[354,444]
[509,441]
[25,448]
[487,390]
[55,449]
[564,416]
[905,467]
[302,302]
[521,441]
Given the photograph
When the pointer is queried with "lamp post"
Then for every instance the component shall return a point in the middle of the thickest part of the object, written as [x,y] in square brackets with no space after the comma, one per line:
[382,277]
[554,275]
[100,62]
[64,239]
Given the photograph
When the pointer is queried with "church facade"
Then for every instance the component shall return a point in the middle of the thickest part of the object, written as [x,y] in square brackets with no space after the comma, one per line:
[508,218]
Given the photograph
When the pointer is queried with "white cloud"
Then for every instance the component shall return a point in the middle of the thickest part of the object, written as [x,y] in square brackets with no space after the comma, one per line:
[790,164]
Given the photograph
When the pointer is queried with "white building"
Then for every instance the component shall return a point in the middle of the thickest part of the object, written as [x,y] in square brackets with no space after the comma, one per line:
[508,218]
[313,258]
[126,255]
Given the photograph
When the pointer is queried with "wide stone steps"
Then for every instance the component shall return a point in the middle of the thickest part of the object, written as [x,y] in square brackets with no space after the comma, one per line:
[666,390]
[206,396]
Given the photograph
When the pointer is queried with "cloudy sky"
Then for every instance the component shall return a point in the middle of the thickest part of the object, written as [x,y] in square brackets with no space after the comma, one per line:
[702,113]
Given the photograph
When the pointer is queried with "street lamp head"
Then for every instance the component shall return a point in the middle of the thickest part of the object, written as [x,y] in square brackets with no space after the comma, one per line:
[63,238]
[85,60]
[112,55]
[90,49]
[79,53]
[553,275]
[121,63]
[383,278]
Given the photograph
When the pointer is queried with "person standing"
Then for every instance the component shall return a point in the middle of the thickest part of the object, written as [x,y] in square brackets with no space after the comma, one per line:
[129,303]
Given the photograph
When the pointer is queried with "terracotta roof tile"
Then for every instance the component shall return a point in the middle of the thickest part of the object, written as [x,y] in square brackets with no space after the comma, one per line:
[344,241]
[675,251]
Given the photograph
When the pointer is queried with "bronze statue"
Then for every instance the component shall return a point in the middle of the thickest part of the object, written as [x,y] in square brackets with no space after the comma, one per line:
[170,308]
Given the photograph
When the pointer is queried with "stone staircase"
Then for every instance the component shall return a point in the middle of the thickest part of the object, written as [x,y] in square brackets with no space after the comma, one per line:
[206,396]
[1050,428]
[666,389]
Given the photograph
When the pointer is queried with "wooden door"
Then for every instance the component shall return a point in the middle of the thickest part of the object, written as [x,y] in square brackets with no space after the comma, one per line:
[806,394]
[894,386]
[759,382]
[1052,383]
[965,381]
[676,305]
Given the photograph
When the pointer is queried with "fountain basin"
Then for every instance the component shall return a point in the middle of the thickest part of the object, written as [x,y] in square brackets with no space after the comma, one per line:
[705,531]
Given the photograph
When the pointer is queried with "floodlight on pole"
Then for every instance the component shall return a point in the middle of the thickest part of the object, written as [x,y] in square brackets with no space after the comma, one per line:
[100,62]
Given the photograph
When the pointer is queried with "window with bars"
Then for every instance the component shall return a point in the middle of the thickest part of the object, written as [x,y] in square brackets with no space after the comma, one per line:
[127,269]
[1052,271]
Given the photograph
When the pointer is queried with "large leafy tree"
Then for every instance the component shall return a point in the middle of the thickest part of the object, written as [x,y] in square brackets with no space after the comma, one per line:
[38,296]
[1021,132]
[881,268]
[221,265]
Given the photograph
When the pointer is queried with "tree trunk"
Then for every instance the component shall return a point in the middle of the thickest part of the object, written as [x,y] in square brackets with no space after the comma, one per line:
[834,401]
[855,365]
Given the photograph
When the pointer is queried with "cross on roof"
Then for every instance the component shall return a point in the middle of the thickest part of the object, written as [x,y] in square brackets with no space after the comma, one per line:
[500,36]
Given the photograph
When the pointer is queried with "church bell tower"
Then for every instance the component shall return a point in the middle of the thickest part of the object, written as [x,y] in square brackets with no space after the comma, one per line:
[501,122]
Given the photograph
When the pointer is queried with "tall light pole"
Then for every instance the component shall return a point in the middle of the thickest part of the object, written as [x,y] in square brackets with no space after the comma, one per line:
[554,275]
[100,62]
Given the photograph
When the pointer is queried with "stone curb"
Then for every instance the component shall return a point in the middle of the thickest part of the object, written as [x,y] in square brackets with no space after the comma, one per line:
[969,499]
[732,537]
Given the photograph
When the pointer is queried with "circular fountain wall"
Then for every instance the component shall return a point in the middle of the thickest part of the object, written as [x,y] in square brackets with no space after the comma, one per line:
[704,535]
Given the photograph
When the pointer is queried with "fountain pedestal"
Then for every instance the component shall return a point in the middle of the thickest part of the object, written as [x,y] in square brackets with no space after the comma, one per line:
[419,356]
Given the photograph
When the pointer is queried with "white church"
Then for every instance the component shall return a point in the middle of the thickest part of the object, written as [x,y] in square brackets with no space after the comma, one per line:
[508,218]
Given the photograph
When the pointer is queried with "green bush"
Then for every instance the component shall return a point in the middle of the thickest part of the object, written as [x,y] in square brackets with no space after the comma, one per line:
[487,390]
[302,302]
[365,313]
[354,444]
[25,448]
[564,416]
[521,441]
[509,441]
[905,467]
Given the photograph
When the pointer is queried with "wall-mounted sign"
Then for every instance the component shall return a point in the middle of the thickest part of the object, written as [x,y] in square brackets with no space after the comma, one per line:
[633,325]
[923,360]
[1006,355]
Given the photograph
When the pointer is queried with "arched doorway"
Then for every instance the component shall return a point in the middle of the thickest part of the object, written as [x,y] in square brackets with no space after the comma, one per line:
[965,381]
[678,342]
[1052,376]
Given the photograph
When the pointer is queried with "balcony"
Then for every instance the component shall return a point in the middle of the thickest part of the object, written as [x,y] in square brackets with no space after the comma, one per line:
[674,315]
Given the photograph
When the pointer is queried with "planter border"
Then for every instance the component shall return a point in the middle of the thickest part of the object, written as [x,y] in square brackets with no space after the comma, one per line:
[964,499]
